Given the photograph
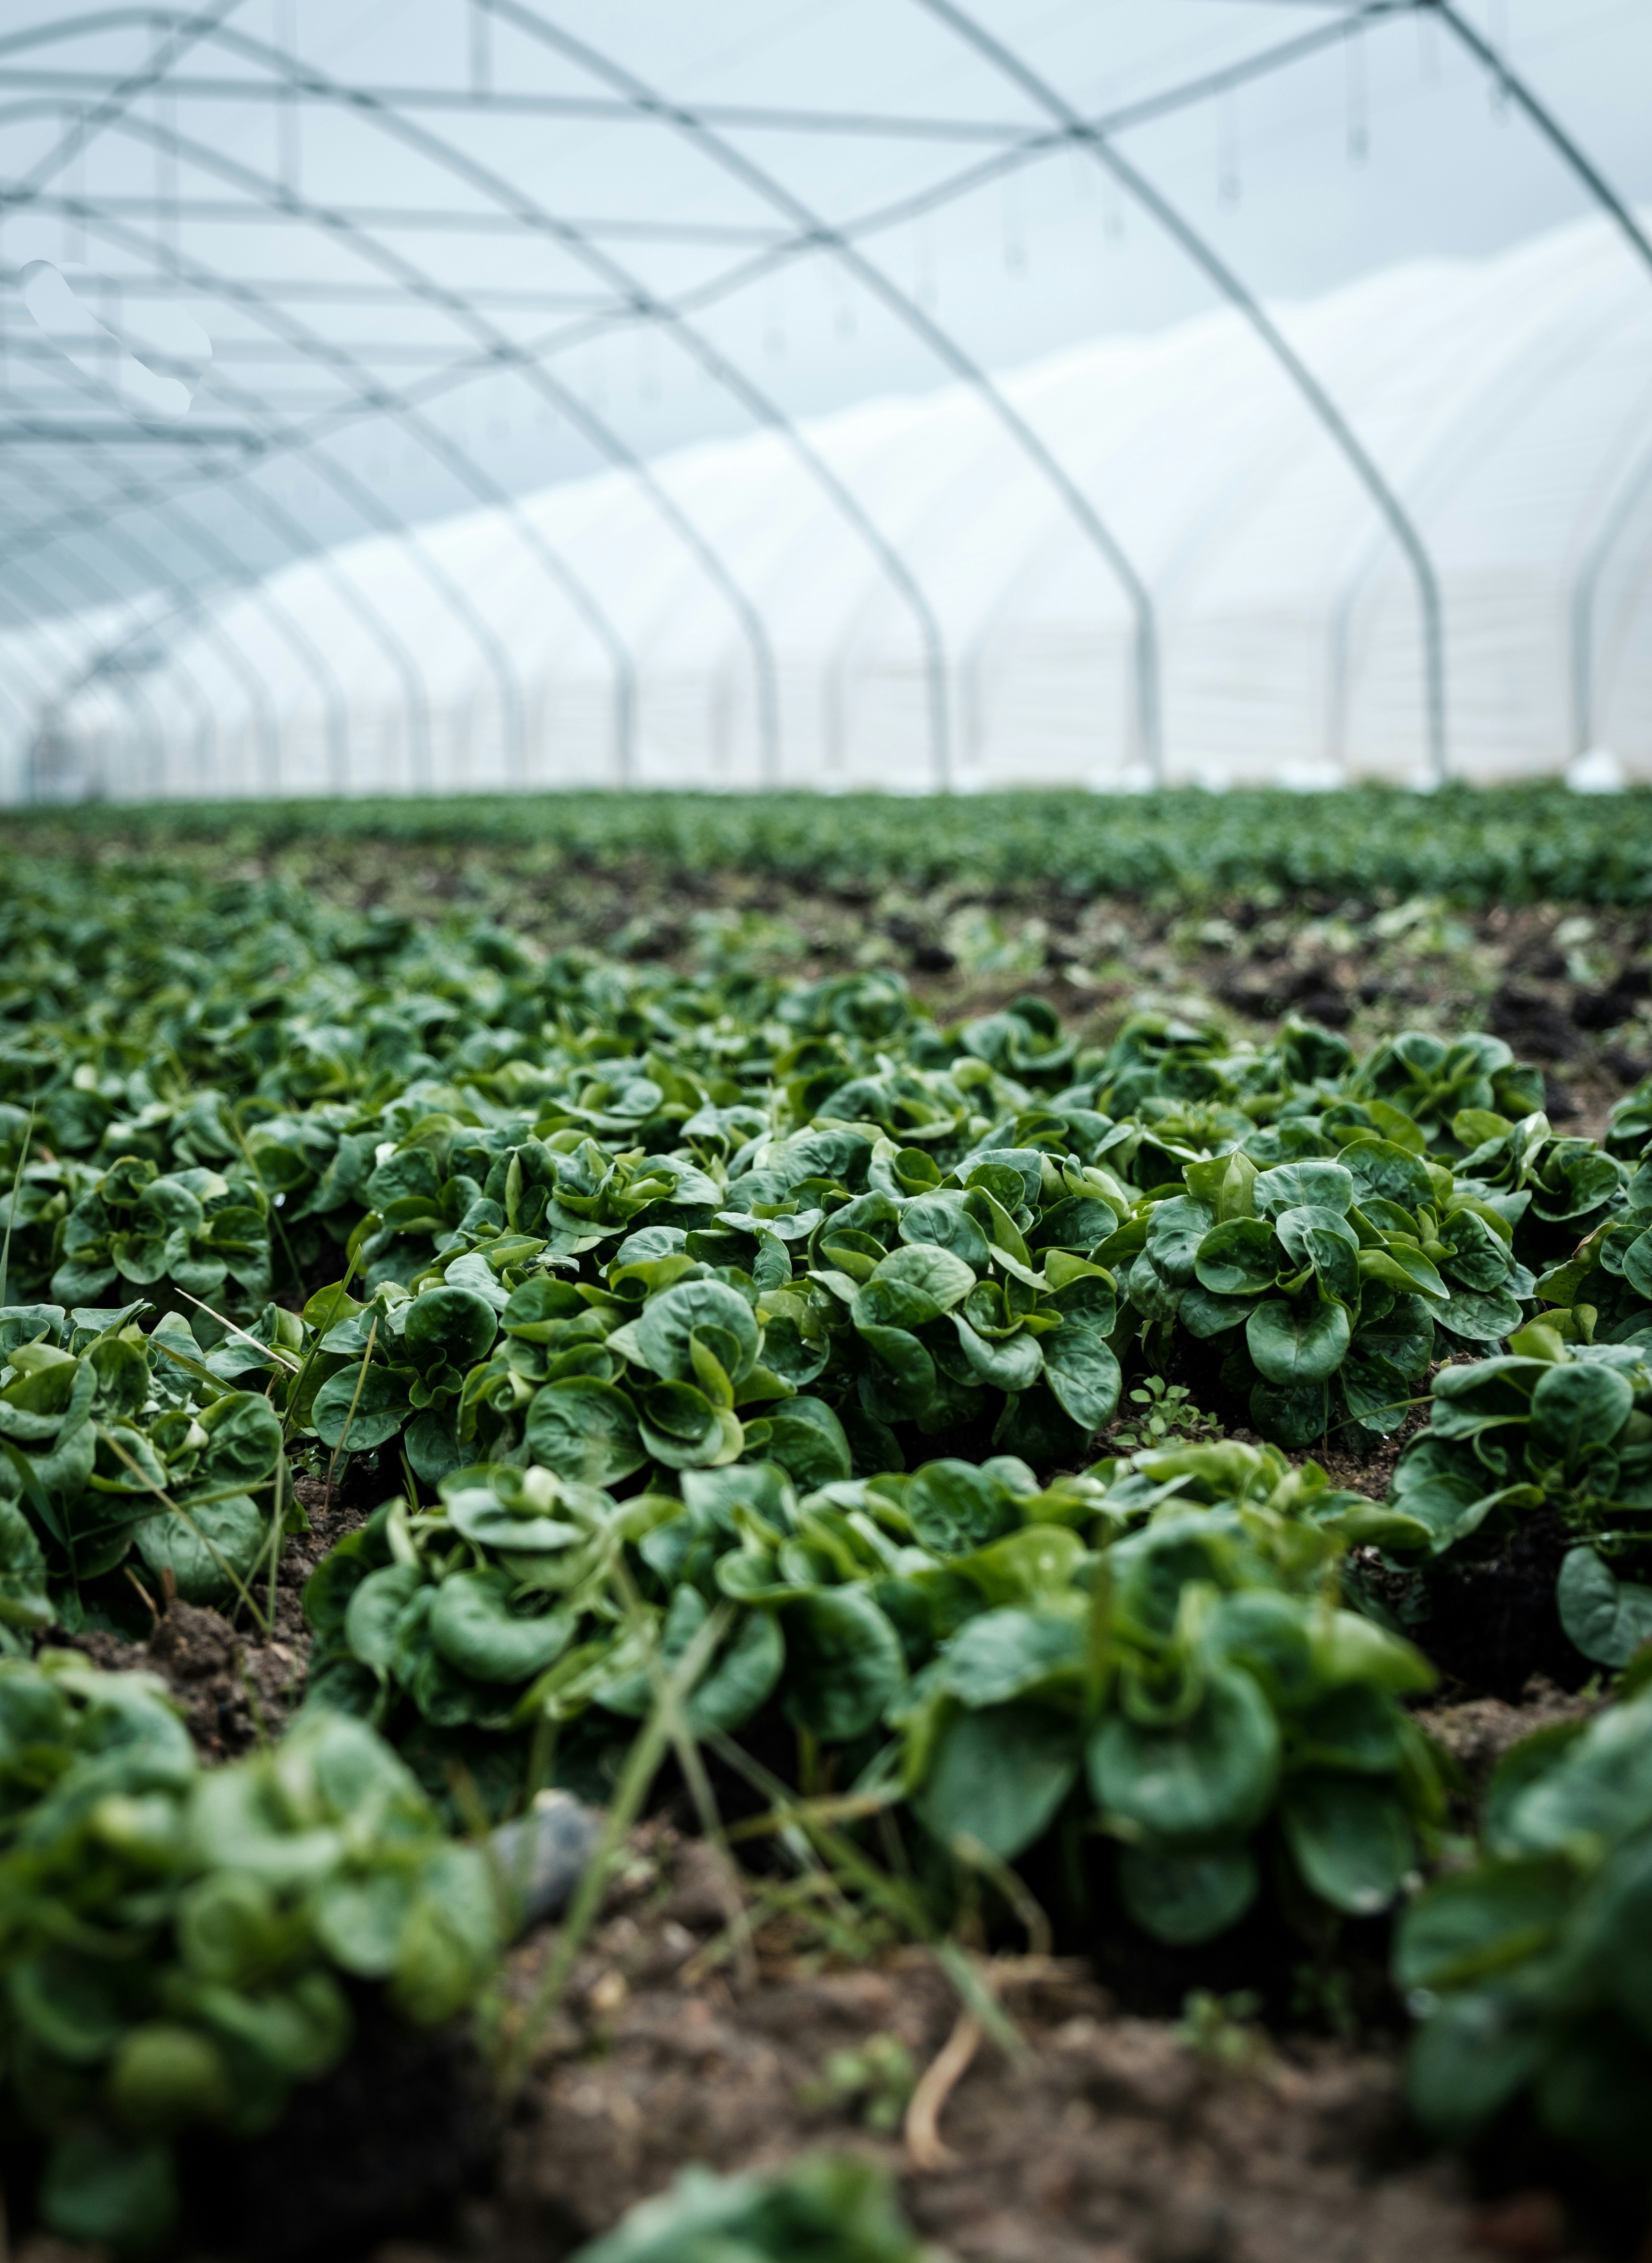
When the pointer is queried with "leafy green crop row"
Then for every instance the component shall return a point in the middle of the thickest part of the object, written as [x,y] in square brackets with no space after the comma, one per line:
[774,1331]
[1515,844]
[1183,1682]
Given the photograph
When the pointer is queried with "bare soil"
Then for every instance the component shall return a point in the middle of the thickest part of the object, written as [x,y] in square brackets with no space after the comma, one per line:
[233,1692]
[1101,2138]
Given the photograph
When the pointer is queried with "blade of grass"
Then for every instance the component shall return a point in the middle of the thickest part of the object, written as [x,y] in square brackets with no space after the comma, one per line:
[277,1513]
[890,1894]
[844,1807]
[281,1358]
[195,1367]
[11,1207]
[343,1435]
[177,1510]
[839,1854]
[1098,1639]
[688,1751]
[270,1201]
[642,1765]
[295,1397]
[30,1479]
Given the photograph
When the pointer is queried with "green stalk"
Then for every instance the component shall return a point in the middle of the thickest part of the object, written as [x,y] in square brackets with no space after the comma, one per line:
[278,1510]
[177,1509]
[281,1359]
[296,1394]
[687,1749]
[343,1435]
[241,1136]
[642,1765]
[11,1207]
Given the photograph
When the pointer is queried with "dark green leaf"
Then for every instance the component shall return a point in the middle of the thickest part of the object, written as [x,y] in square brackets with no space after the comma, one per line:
[452,1326]
[1298,1343]
[1186,1898]
[475,1628]
[381,1409]
[846,1661]
[585,1430]
[1607,1619]
[1000,1775]
[1237,1259]
[1199,1778]
[1350,1839]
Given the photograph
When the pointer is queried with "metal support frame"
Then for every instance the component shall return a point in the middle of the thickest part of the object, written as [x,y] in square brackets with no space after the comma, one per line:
[494,655]
[643,304]
[1471,426]
[459,460]
[1636,490]
[232,456]
[1099,146]
[129,689]
[820,232]
[295,83]
[224,563]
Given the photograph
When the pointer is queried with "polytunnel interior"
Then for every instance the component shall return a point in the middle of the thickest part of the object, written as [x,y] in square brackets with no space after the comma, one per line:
[423,394]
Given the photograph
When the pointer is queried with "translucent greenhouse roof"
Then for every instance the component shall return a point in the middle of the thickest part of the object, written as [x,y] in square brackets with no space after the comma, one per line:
[427,393]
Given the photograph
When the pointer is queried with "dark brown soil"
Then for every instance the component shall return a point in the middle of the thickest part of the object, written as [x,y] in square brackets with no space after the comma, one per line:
[1102,2139]
[232,1690]
[1477,1732]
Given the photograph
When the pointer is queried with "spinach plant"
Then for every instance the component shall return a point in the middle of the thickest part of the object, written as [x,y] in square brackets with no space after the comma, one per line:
[1527,1971]
[174,1944]
[1545,1425]
[824,2210]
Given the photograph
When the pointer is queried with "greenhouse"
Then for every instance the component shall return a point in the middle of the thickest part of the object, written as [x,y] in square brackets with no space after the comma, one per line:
[1272,629]
[825,1131]
[347,454]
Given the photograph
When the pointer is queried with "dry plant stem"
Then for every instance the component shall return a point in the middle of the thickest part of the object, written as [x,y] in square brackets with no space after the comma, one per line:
[343,1435]
[167,1502]
[979,1995]
[642,1765]
[845,1807]
[280,1358]
[935,2085]
[149,1602]
[11,1207]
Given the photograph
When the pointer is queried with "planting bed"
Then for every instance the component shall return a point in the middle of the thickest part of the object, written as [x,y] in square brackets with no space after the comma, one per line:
[1073,1472]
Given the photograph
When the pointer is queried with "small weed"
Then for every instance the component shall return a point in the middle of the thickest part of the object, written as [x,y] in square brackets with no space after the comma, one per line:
[1223,2030]
[1323,1997]
[1169,1414]
[874,2083]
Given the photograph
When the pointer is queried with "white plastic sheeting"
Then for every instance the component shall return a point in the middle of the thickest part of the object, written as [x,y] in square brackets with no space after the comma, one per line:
[1508,403]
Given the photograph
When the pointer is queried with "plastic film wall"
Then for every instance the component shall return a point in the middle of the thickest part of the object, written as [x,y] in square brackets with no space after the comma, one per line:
[1399,531]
